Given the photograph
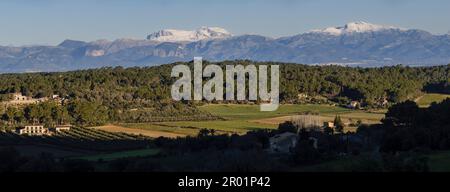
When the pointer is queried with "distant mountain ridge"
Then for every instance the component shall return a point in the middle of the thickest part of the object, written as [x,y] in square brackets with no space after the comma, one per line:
[355,27]
[354,44]
[203,33]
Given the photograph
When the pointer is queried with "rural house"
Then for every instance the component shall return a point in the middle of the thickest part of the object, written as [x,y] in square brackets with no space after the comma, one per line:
[36,130]
[329,124]
[20,97]
[354,105]
[302,96]
[62,128]
[33,130]
[283,143]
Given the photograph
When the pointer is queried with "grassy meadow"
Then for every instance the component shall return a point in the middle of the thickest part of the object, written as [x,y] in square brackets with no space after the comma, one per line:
[427,99]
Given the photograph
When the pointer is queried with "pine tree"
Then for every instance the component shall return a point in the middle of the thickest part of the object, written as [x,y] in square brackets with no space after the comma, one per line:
[338,124]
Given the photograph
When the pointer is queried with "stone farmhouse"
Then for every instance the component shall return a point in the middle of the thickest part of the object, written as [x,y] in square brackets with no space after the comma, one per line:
[61,128]
[19,99]
[33,130]
[39,130]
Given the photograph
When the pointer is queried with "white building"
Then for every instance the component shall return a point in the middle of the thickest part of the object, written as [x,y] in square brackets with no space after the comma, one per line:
[20,97]
[36,130]
[62,128]
[354,105]
[329,124]
[33,130]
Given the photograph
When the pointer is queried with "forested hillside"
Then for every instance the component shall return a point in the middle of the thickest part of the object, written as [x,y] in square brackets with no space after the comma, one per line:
[369,85]
[143,94]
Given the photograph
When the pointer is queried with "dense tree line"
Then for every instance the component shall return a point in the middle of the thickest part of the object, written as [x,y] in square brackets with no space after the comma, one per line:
[51,113]
[409,127]
[439,87]
[93,113]
[369,85]
[150,86]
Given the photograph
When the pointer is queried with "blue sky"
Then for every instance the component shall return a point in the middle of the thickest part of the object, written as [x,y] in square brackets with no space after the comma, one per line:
[30,22]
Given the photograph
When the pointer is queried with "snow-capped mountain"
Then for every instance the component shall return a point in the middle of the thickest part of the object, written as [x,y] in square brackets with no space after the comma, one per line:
[203,33]
[355,44]
[355,27]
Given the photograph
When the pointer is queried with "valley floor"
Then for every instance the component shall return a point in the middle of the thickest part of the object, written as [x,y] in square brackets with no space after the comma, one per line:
[243,118]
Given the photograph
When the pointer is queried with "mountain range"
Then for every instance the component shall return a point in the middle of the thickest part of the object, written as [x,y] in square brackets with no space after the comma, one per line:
[354,44]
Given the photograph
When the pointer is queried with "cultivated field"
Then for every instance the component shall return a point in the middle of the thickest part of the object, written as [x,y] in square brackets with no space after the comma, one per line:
[243,118]
[83,143]
[145,132]
[427,99]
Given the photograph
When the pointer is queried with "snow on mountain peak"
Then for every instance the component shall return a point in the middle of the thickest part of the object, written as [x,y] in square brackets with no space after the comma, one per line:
[203,33]
[354,27]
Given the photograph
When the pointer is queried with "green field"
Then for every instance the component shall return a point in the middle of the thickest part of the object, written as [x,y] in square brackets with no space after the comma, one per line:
[192,127]
[427,99]
[239,117]
[243,118]
[119,155]
[252,112]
